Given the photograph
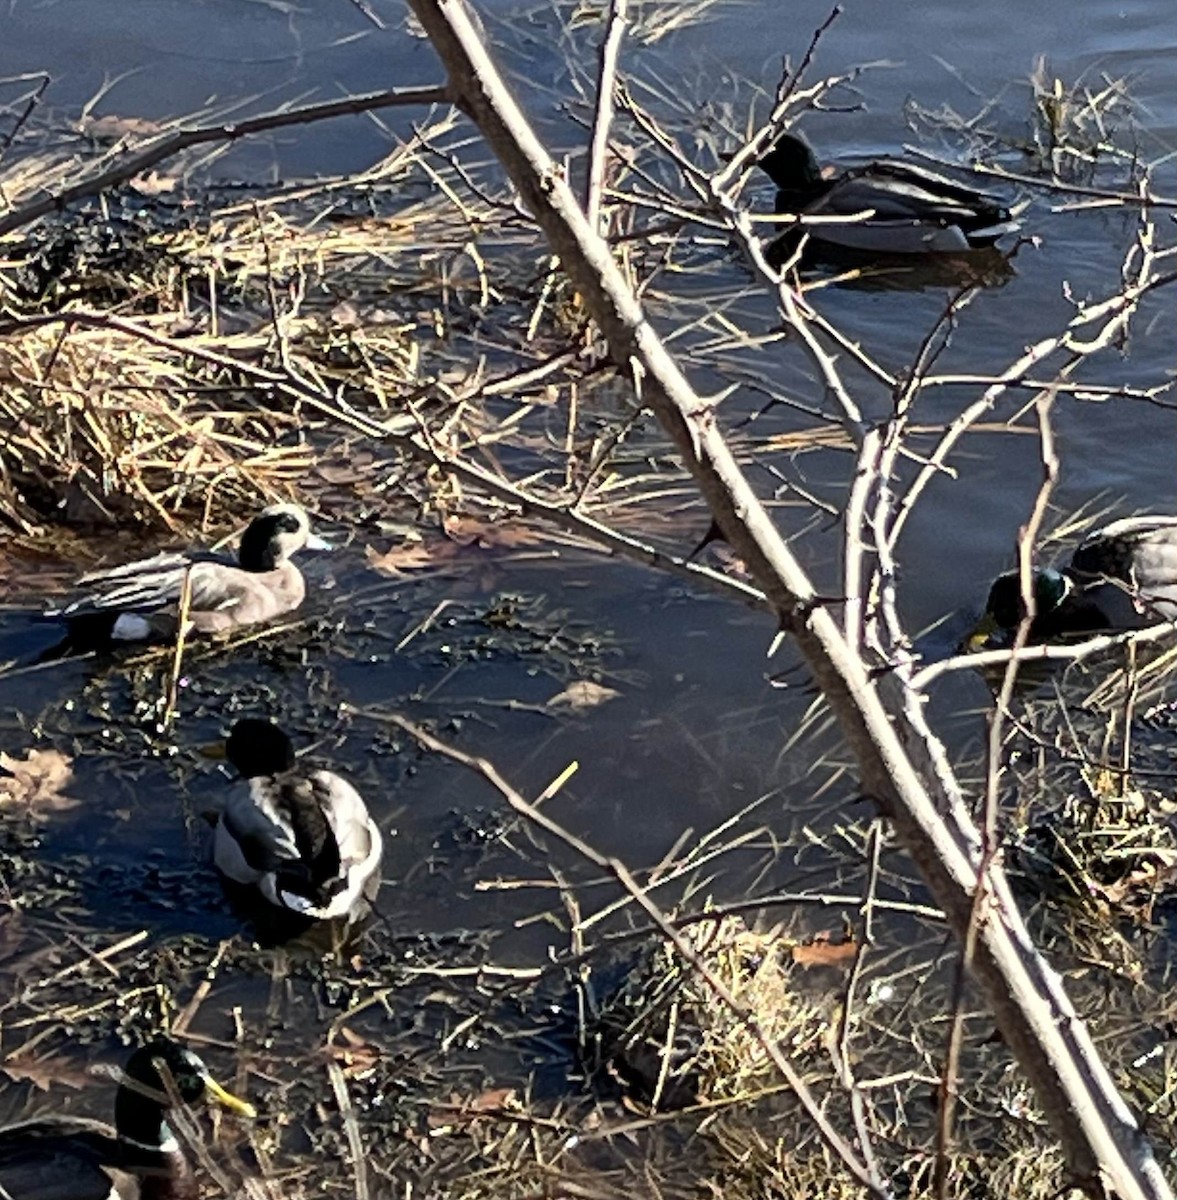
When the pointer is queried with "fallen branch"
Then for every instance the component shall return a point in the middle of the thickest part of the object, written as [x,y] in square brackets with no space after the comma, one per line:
[173,144]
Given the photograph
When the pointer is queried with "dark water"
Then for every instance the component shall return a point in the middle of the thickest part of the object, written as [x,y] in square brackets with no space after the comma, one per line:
[697,731]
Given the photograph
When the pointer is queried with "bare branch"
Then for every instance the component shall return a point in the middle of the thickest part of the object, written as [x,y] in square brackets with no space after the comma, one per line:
[905,767]
[184,139]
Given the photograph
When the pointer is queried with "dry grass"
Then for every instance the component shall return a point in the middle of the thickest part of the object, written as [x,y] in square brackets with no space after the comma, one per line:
[153,370]
[1082,131]
[663,1034]
[1089,756]
[133,378]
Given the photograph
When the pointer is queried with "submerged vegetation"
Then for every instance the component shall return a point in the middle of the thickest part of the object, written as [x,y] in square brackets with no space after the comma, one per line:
[399,351]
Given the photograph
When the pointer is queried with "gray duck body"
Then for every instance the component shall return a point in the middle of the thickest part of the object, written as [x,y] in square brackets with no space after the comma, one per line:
[139,601]
[1128,571]
[912,210]
[302,838]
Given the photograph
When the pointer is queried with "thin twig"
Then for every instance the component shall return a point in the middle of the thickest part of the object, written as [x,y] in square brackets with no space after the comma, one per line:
[173,694]
[359,1163]
[1044,653]
[841,1048]
[603,112]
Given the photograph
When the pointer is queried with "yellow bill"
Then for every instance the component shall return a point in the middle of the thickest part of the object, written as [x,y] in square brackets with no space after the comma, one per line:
[227,1100]
[979,638]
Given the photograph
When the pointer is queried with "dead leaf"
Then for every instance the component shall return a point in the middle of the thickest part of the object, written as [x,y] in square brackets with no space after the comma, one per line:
[493,1100]
[114,127]
[467,530]
[463,533]
[43,1073]
[581,695]
[338,473]
[38,781]
[410,556]
[822,951]
[152,183]
[358,1059]
[464,1110]
[346,315]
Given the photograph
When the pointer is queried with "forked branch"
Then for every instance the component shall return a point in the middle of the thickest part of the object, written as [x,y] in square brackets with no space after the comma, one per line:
[899,762]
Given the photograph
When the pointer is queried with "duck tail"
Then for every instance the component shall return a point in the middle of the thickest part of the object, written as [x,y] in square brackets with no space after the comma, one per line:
[301,892]
[986,235]
[83,635]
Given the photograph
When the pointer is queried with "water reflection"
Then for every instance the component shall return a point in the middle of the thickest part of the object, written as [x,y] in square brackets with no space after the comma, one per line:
[872,271]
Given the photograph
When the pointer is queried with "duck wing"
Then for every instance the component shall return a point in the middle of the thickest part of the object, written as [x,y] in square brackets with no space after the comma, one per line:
[902,191]
[284,830]
[347,815]
[57,1159]
[358,840]
[1136,556]
[153,583]
[257,821]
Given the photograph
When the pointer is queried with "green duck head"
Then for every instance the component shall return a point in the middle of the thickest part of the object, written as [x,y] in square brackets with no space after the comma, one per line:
[258,748]
[1004,609]
[792,166]
[143,1097]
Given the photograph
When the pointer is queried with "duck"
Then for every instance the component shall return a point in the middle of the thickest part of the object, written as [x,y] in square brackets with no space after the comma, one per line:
[55,1157]
[913,210]
[1121,577]
[301,839]
[139,601]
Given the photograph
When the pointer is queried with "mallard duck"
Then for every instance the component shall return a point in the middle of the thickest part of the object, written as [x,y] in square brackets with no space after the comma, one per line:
[913,210]
[1121,577]
[302,838]
[72,1158]
[139,601]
